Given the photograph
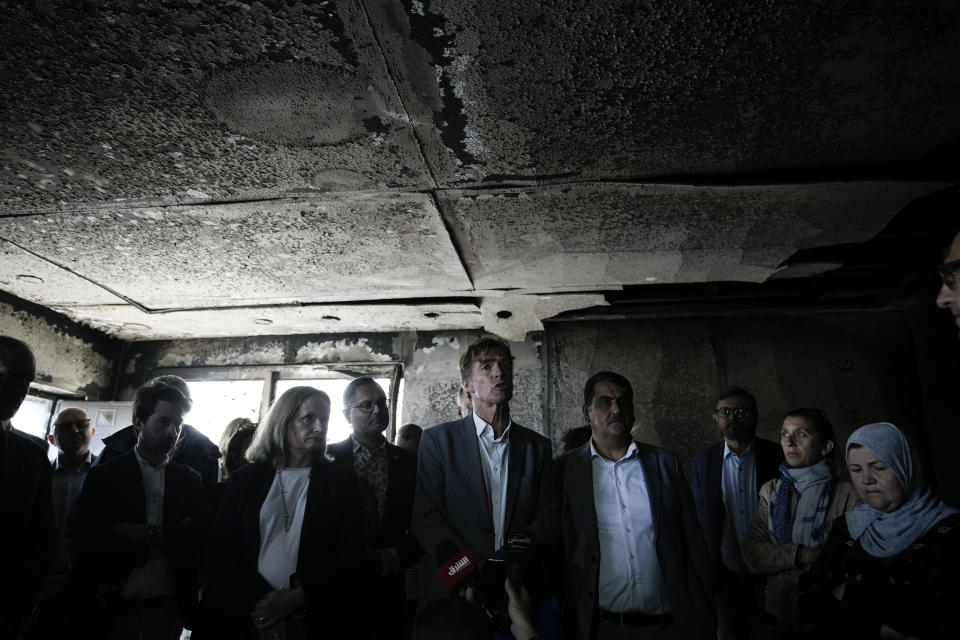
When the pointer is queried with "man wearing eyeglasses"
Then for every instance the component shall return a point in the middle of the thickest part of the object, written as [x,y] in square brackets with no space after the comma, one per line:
[386,477]
[727,477]
[949,296]
[71,436]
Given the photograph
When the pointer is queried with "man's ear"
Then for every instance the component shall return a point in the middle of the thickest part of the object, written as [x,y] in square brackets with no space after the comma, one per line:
[467,385]
[827,448]
[51,440]
[346,414]
[137,424]
[93,430]
[586,413]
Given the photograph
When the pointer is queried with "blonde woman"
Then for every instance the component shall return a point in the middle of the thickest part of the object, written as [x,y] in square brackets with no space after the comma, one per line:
[286,533]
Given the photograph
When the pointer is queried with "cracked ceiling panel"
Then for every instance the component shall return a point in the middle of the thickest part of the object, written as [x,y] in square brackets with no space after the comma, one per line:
[618,234]
[178,101]
[131,324]
[281,252]
[43,282]
[551,90]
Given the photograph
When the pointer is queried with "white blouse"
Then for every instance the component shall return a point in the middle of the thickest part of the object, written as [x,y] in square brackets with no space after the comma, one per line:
[279,547]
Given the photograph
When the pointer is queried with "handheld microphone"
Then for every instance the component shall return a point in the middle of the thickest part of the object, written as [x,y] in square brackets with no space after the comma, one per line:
[518,551]
[456,567]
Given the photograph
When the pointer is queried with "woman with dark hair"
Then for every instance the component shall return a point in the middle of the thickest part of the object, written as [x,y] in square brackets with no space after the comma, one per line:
[286,531]
[892,566]
[794,515]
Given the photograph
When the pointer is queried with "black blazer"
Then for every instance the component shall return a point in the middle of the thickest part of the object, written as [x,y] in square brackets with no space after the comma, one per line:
[194,450]
[681,551]
[330,548]
[28,535]
[394,527]
[113,493]
[707,474]
[452,504]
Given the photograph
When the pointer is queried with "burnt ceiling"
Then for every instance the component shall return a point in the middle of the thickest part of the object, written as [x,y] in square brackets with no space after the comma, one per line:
[177,169]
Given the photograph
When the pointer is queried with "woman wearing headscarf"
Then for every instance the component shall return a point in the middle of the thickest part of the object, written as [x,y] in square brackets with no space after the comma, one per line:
[892,567]
[794,515]
[286,532]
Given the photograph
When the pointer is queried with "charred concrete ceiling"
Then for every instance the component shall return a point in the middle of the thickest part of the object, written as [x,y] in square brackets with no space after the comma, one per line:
[184,168]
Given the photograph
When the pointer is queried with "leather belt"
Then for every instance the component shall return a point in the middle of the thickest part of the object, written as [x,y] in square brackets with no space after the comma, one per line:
[637,619]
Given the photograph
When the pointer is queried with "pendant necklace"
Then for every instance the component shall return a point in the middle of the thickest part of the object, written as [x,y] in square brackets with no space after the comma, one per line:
[287,516]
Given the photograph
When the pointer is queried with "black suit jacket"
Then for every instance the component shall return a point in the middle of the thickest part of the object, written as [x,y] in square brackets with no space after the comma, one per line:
[394,527]
[194,450]
[707,475]
[681,551]
[28,535]
[452,503]
[331,546]
[113,493]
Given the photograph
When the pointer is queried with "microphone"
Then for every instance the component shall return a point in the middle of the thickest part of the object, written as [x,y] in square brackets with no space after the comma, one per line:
[456,567]
[518,551]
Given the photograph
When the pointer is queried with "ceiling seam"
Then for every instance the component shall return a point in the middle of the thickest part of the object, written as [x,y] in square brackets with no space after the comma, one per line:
[393,79]
[126,299]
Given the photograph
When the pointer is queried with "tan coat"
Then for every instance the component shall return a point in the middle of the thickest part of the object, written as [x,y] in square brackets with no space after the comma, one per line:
[776,561]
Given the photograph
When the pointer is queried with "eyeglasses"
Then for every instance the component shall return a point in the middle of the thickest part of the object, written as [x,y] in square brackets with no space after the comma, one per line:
[739,412]
[367,405]
[948,272]
[79,424]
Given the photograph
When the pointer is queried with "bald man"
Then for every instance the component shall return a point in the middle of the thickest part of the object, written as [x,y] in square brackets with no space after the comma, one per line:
[949,296]
[71,436]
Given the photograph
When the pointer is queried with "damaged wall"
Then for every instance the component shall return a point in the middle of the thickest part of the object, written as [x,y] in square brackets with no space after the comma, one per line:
[858,367]
[70,357]
[429,359]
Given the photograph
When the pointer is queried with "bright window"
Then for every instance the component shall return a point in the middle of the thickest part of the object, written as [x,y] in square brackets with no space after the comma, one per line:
[217,402]
[33,416]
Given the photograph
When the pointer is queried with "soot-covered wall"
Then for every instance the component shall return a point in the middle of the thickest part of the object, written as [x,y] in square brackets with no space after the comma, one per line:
[858,367]
[70,357]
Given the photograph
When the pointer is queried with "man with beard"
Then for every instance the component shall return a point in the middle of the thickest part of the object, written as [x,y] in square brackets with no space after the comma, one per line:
[139,524]
[27,535]
[71,436]
[386,477]
[636,565]
[194,449]
[727,477]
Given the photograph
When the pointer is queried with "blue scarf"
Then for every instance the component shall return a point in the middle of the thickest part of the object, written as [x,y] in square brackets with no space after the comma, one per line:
[805,525]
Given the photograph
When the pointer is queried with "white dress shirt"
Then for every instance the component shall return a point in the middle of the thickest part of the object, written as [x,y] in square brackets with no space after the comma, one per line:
[493,458]
[630,577]
[153,578]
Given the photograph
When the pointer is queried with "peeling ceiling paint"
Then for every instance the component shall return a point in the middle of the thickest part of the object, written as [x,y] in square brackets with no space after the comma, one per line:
[177,168]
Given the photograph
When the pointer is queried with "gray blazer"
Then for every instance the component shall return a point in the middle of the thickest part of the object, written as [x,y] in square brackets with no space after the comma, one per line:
[681,549]
[451,501]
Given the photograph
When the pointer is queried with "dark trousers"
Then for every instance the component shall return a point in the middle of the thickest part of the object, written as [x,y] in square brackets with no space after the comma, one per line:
[739,603]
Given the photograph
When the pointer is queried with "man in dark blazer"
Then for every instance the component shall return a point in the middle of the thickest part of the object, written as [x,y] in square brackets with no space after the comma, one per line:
[27,535]
[386,476]
[193,448]
[139,525]
[482,480]
[727,477]
[635,563]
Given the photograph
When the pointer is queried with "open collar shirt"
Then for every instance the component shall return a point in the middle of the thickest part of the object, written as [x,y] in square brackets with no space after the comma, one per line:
[630,579]
[494,454]
[739,490]
[371,469]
